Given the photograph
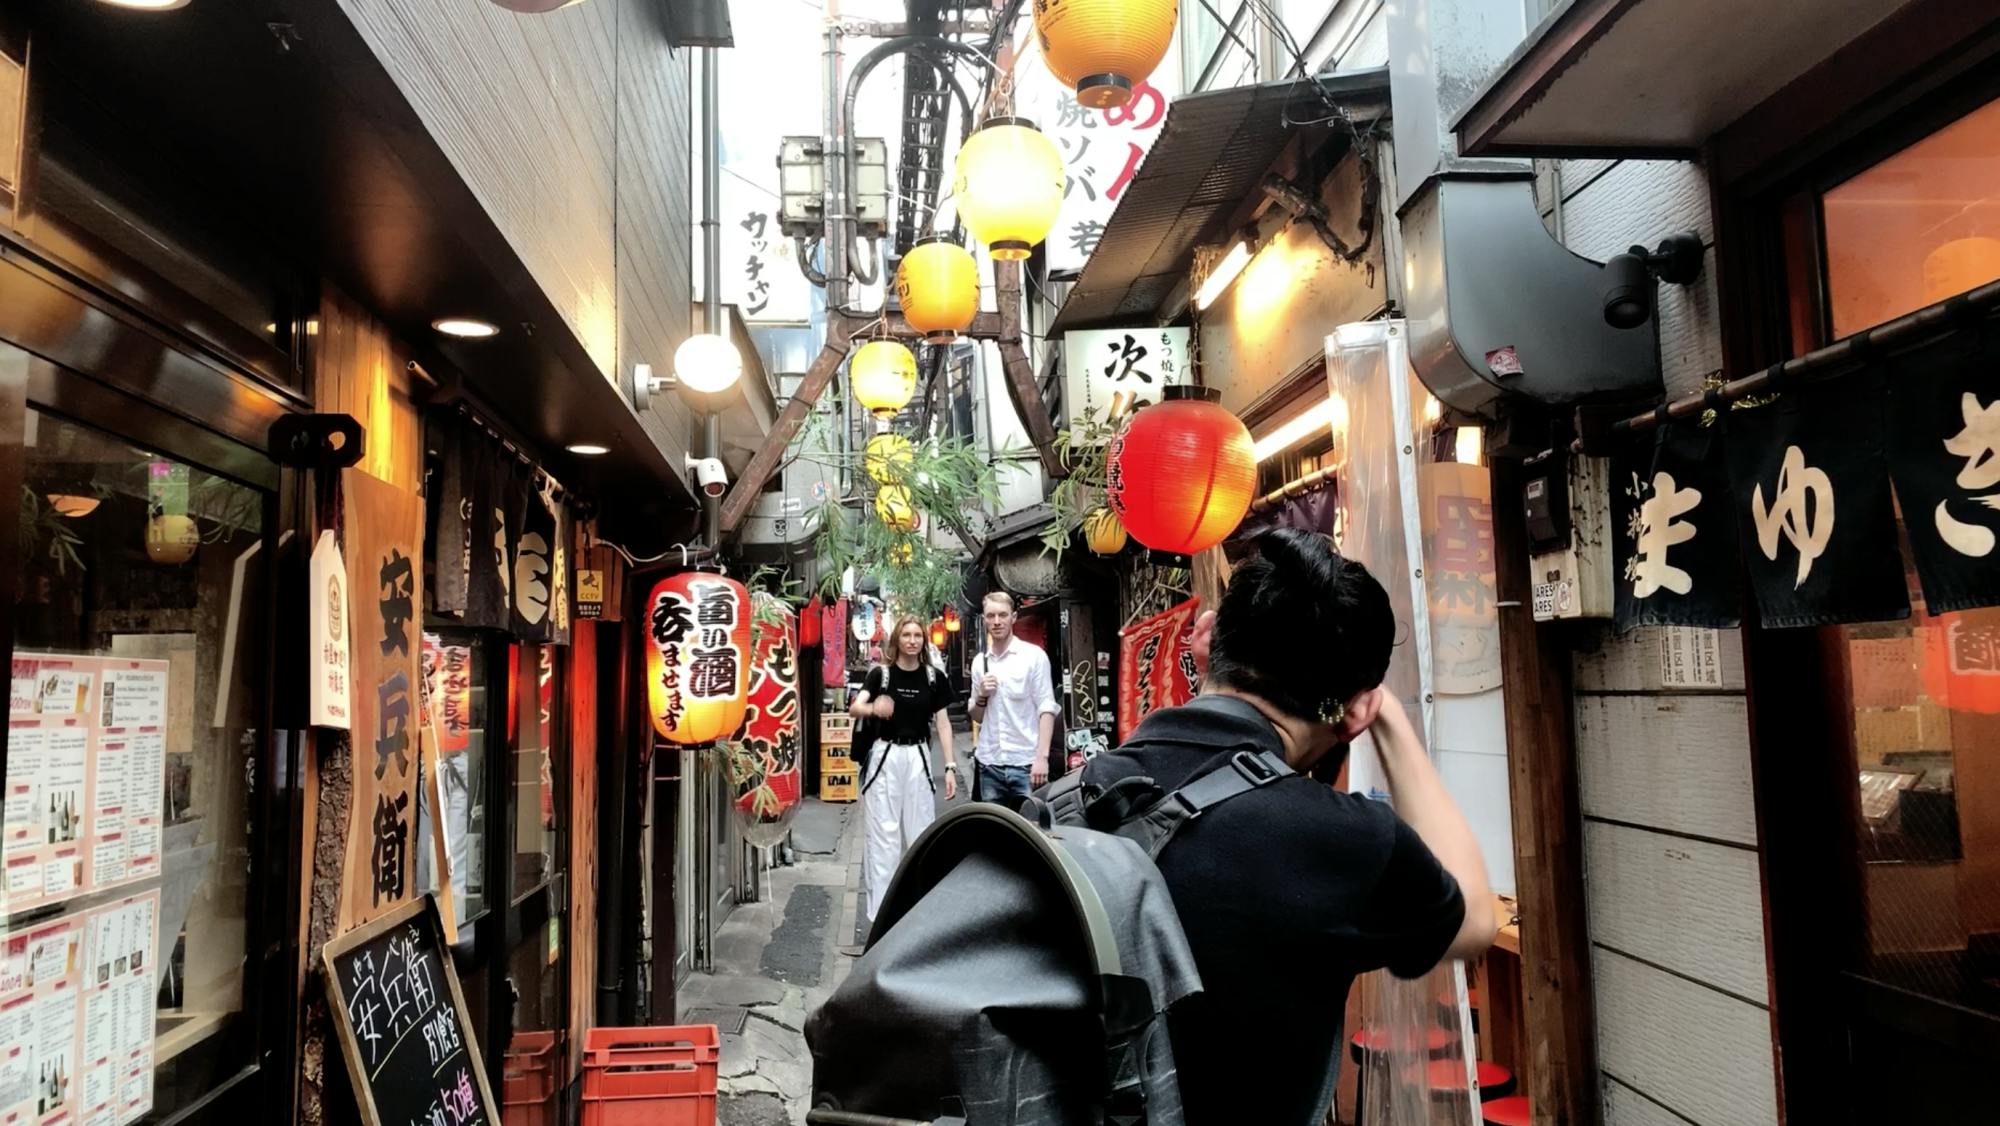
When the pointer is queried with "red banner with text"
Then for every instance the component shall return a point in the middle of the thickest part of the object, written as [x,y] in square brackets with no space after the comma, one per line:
[1156,665]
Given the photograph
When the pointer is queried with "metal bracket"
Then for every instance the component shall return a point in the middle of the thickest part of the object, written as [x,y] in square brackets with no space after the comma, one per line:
[317,441]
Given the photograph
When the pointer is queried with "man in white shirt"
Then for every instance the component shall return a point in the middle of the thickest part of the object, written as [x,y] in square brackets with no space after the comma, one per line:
[1014,704]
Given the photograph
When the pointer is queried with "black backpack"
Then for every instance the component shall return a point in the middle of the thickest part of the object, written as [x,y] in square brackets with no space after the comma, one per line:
[1020,970]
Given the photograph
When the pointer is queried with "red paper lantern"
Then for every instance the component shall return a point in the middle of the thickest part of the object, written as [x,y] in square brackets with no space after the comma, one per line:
[939,635]
[809,624]
[951,622]
[698,665]
[768,786]
[1182,473]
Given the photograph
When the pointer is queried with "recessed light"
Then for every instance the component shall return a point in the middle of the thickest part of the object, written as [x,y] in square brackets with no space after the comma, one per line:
[466,327]
[149,5]
[587,449]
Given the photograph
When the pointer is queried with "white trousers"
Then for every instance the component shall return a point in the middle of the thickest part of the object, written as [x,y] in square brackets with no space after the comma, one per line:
[899,806]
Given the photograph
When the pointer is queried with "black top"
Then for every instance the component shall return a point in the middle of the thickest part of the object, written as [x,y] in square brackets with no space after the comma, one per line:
[1286,894]
[919,694]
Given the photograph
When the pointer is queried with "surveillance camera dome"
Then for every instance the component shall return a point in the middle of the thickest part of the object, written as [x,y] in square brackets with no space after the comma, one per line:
[1628,301]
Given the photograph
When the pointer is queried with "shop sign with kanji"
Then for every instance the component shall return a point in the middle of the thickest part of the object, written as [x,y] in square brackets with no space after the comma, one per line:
[1100,363]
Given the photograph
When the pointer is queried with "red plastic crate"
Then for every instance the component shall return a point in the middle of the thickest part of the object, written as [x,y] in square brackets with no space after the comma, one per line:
[528,1080]
[651,1076]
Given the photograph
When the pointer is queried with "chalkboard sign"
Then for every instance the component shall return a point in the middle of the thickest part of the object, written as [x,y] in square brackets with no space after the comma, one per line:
[402,1024]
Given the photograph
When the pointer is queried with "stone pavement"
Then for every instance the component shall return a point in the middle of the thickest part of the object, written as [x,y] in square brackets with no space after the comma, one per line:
[777,960]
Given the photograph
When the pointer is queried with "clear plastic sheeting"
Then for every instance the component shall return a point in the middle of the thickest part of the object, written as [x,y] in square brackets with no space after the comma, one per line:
[1412,1050]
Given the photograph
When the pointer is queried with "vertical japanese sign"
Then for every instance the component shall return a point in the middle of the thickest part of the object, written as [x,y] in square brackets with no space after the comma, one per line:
[1460,577]
[1156,665]
[326,591]
[833,643]
[1101,149]
[760,269]
[384,532]
[1141,362]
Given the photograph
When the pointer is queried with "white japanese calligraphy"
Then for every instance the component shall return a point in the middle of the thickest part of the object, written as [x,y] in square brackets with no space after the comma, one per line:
[1660,528]
[1802,511]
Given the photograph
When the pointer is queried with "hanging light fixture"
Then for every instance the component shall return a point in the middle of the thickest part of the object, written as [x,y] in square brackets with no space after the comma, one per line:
[939,635]
[951,619]
[887,457]
[1009,186]
[1102,532]
[72,506]
[938,285]
[707,363]
[1102,48]
[893,507]
[884,374]
[1182,474]
[697,695]
[171,539]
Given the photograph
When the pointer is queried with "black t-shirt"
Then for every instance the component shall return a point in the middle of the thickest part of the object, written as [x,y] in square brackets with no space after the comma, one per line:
[919,694]
[1286,894]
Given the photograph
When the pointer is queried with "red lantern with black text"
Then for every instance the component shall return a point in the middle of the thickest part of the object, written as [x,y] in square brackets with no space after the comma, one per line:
[698,659]
[1182,473]
[764,761]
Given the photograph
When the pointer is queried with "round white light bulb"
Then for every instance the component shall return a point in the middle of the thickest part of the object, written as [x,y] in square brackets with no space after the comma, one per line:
[707,363]
[466,328]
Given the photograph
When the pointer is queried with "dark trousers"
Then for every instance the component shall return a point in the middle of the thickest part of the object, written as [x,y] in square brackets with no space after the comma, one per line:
[1001,785]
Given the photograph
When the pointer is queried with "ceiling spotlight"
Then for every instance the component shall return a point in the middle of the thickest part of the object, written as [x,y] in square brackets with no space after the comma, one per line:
[587,449]
[149,5]
[466,328]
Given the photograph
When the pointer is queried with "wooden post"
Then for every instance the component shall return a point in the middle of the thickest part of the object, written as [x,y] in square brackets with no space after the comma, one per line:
[1559,1056]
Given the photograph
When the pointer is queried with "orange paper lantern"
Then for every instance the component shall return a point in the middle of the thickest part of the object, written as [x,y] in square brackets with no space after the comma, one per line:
[1102,48]
[698,666]
[939,635]
[951,621]
[1182,473]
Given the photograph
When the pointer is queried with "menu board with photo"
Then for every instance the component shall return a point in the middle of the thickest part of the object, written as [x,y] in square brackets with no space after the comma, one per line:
[76,1016]
[86,777]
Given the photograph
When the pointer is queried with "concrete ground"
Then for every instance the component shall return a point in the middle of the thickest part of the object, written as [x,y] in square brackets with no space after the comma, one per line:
[778,959]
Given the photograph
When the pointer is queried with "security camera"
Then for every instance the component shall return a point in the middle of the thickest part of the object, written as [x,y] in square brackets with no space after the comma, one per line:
[1628,300]
[709,474]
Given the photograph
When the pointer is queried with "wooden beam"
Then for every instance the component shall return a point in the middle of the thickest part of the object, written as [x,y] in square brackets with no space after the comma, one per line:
[1022,386]
[1560,1014]
[744,493]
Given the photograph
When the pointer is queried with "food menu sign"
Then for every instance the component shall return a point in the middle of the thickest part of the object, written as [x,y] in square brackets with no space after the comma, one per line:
[76,1016]
[403,1026]
[86,776]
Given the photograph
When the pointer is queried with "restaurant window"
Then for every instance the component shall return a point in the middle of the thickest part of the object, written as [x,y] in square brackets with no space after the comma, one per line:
[1913,228]
[135,738]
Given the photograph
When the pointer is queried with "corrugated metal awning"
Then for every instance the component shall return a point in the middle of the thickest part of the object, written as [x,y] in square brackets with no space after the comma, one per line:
[1211,154]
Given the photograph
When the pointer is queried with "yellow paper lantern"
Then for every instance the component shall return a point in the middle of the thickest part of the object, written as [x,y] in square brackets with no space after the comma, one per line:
[892,505]
[171,539]
[938,285]
[1009,186]
[887,457]
[903,552]
[1102,532]
[1103,48]
[884,374]
[699,656]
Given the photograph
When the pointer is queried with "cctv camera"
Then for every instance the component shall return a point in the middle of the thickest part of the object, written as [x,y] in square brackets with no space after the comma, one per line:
[709,474]
[1629,299]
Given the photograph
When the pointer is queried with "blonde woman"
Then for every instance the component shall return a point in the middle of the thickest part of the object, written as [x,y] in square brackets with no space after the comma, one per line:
[902,702]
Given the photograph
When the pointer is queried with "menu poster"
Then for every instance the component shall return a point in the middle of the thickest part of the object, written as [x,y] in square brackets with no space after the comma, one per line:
[402,1023]
[86,777]
[40,1022]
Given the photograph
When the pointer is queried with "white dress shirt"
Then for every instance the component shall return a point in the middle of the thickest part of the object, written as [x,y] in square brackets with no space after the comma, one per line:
[1013,714]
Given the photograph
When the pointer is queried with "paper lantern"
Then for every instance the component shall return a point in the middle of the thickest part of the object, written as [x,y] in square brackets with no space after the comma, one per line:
[1182,473]
[1009,186]
[765,765]
[809,623]
[1102,532]
[939,635]
[1102,48]
[884,374]
[951,619]
[698,665]
[893,507]
[171,539]
[903,552]
[938,285]
[887,457]
[867,620]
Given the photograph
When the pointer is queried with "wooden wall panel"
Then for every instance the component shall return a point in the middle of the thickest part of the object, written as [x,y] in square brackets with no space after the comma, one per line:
[1689,906]
[1703,1054]
[1680,763]
[582,831]
[360,370]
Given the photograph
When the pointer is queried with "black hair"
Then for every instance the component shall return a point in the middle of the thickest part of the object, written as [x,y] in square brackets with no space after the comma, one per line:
[1300,596]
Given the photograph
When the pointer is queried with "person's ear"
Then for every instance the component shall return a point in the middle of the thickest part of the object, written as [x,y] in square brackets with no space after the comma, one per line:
[1200,640]
[1362,708]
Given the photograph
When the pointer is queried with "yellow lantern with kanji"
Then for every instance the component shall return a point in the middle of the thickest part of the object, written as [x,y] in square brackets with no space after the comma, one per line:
[1009,186]
[938,285]
[1102,532]
[884,375]
[1103,48]
[893,507]
[698,659]
[887,457]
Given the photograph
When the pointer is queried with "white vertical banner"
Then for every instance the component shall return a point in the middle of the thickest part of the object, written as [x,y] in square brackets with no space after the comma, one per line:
[1102,150]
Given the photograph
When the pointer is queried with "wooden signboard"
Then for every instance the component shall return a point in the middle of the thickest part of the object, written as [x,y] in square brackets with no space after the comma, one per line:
[402,1023]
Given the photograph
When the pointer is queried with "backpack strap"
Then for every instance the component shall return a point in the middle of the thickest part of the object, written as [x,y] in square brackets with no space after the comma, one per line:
[1245,770]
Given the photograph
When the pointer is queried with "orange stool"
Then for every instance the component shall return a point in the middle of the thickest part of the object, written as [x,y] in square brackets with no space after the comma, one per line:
[1510,1111]
[1370,1041]
[1493,1080]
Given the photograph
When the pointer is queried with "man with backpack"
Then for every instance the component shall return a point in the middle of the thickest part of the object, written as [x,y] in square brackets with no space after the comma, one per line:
[1288,891]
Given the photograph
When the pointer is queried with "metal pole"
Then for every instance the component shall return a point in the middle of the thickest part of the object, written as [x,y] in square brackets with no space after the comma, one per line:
[711,261]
